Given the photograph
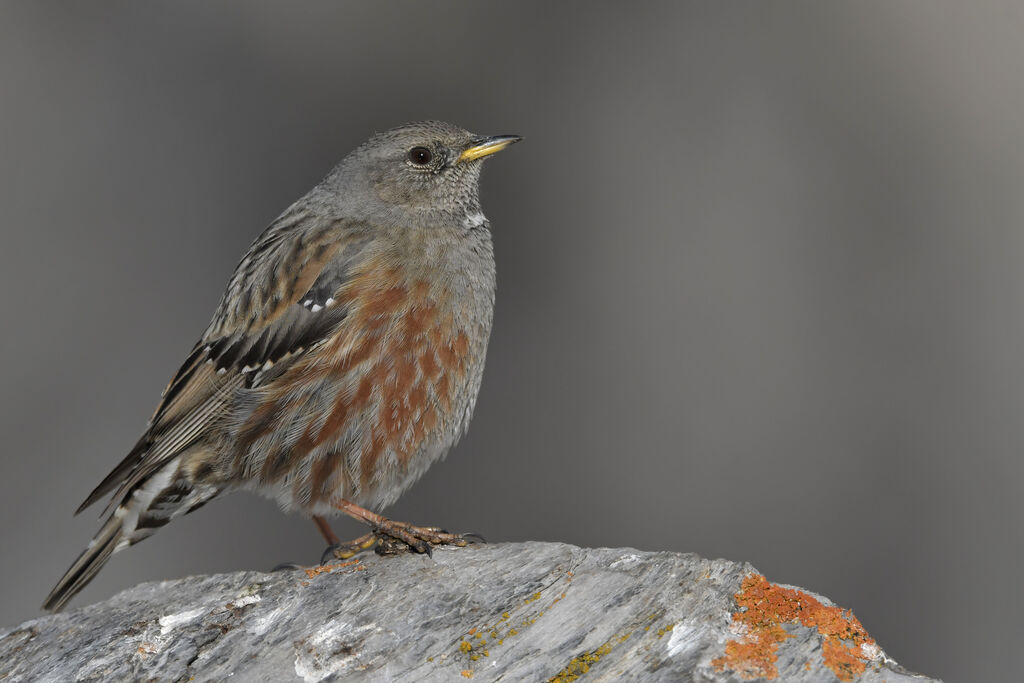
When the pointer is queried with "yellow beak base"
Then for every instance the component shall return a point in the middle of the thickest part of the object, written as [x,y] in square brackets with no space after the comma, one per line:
[485,147]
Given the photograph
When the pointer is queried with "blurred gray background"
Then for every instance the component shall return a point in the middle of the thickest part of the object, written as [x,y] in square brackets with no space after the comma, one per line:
[761,279]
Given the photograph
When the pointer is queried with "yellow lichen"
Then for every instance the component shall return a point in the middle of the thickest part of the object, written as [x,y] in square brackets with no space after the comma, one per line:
[581,665]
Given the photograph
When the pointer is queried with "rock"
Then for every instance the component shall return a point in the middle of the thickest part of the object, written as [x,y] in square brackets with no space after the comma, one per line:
[515,612]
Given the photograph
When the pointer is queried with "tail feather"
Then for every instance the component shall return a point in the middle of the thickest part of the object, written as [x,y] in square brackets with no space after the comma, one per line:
[168,493]
[85,568]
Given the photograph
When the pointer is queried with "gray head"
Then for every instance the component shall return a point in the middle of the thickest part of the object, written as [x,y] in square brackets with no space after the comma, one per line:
[427,170]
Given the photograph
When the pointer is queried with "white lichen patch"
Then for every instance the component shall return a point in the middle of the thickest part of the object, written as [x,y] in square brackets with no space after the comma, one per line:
[172,621]
[260,624]
[247,600]
[684,638]
[625,562]
[872,651]
[317,657]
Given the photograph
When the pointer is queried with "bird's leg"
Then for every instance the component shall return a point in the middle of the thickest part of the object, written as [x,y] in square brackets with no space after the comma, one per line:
[335,547]
[325,530]
[416,537]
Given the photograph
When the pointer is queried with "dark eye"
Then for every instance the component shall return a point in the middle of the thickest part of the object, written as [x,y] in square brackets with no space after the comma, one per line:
[421,156]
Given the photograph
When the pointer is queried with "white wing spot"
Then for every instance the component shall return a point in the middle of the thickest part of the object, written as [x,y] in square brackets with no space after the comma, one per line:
[475,220]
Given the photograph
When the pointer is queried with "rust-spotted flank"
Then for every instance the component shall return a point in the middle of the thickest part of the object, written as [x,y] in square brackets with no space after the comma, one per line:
[393,366]
[764,607]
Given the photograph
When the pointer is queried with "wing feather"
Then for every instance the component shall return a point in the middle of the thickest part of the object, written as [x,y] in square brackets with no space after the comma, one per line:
[282,300]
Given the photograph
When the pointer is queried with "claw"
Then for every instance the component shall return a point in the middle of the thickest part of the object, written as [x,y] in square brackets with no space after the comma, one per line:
[343,551]
[287,566]
[473,538]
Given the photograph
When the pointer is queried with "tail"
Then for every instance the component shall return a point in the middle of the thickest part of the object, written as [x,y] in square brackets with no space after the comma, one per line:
[88,564]
[166,494]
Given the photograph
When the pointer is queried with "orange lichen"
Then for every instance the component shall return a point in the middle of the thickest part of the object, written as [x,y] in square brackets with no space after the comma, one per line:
[754,656]
[312,572]
[764,607]
[846,661]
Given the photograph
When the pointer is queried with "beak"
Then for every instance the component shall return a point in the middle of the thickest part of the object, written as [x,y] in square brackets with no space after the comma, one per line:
[486,146]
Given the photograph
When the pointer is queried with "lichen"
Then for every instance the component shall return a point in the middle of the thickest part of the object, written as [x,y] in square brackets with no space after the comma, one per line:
[764,607]
[474,644]
[312,572]
[580,665]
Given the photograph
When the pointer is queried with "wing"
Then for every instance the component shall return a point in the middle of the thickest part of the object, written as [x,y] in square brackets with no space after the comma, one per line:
[278,304]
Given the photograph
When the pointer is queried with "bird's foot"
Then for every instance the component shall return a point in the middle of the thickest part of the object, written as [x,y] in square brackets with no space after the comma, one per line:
[401,537]
[343,551]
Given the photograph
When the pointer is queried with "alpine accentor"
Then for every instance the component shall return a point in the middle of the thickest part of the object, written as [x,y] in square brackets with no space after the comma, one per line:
[343,360]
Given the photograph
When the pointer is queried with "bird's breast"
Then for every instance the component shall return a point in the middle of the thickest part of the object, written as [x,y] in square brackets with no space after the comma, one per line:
[368,410]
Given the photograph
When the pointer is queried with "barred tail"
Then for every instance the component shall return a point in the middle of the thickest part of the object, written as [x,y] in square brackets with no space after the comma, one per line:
[166,494]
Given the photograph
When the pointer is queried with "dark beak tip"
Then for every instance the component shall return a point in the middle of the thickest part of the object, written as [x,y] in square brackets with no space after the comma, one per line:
[491,139]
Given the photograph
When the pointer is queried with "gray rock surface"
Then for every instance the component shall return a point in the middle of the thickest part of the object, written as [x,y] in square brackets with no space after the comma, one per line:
[511,612]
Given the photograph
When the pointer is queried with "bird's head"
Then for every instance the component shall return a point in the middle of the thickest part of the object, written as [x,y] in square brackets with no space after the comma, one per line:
[427,169]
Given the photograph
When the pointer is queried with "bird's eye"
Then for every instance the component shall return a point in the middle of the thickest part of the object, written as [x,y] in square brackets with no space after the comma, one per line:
[421,156]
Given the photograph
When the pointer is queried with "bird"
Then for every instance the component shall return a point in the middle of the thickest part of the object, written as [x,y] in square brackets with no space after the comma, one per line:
[343,360]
